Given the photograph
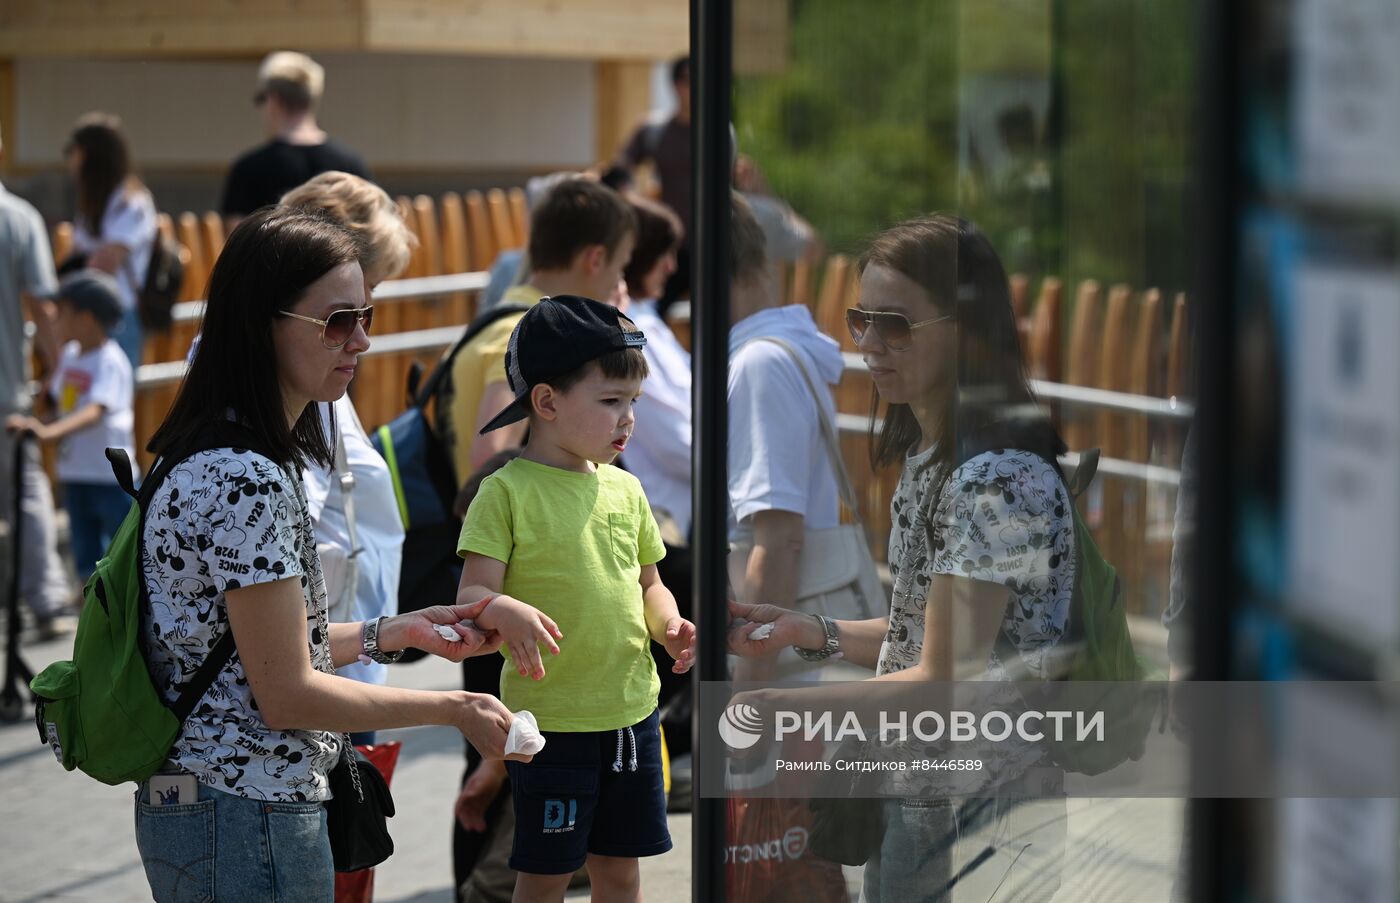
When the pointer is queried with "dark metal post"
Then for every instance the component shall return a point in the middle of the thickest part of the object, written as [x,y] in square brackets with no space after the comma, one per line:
[711,41]
[1218,206]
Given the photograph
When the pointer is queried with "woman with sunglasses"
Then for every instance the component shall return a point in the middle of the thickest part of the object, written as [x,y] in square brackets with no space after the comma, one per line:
[362,570]
[228,548]
[981,555]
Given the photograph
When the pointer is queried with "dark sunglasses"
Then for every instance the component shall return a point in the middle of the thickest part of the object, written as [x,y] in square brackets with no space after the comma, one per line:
[893,329]
[337,329]
[258,98]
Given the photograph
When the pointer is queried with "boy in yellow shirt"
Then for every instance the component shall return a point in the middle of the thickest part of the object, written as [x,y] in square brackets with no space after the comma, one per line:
[561,527]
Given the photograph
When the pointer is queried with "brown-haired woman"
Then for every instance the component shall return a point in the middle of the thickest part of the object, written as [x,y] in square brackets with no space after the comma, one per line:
[115,226]
[981,555]
[228,548]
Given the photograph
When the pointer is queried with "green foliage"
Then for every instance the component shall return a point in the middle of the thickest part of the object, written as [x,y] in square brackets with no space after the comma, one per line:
[861,128]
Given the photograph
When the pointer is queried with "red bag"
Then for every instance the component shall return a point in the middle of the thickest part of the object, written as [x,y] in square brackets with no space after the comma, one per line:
[767,858]
[358,887]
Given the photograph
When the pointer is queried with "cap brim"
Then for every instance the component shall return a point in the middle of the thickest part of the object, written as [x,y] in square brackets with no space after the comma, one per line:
[514,412]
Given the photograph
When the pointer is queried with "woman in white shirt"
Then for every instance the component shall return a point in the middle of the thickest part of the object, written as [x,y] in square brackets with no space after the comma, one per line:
[115,227]
[361,563]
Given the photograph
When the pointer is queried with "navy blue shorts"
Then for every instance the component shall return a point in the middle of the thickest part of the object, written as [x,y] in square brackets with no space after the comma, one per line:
[570,801]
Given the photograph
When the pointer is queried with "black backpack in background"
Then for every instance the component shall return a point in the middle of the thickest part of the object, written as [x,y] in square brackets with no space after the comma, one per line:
[425,484]
[165,274]
[160,289]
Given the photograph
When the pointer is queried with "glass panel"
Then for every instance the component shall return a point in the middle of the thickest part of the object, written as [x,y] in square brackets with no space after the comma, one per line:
[1000,190]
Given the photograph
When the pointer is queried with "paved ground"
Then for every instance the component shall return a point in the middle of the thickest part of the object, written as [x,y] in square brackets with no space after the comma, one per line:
[64,836]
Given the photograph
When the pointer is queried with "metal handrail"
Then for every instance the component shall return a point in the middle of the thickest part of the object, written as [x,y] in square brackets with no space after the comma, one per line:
[387,291]
[1084,396]
[1117,467]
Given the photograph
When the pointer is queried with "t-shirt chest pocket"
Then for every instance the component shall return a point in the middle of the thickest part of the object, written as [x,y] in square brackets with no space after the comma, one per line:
[622,535]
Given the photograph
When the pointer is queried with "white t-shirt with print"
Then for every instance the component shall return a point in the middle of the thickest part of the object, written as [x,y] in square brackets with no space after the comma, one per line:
[378,526]
[221,520]
[129,221]
[100,376]
[1001,517]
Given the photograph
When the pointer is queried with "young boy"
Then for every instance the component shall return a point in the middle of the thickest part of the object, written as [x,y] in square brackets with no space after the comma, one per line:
[562,528]
[93,390]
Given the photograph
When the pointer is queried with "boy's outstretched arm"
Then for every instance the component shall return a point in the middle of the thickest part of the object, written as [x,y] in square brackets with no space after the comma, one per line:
[80,419]
[664,621]
[522,626]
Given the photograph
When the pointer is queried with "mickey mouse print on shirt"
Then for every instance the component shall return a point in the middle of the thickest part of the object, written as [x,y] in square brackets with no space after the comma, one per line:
[226,519]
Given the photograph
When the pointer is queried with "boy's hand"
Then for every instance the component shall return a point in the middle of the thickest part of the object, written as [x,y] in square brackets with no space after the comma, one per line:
[679,641]
[478,792]
[22,423]
[417,629]
[522,628]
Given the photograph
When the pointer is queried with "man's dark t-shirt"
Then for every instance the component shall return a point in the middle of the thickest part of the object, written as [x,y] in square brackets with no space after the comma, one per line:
[261,176]
[667,147]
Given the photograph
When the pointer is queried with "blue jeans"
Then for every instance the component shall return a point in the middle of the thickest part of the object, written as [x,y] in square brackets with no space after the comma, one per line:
[95,511]
[969,851]
[227,847]
[130,337]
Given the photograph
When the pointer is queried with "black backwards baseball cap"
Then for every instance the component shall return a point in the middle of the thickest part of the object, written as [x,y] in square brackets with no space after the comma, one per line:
[93,291]
[555,337]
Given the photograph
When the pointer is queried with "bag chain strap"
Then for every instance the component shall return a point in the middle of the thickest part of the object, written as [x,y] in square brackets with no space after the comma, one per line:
[354,767]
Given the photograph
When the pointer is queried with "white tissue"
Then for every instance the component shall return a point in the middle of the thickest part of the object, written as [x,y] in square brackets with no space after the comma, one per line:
[447,633]
[524,736]
[762,632]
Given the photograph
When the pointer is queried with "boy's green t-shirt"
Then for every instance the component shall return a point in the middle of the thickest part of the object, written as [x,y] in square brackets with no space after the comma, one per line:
[574,545]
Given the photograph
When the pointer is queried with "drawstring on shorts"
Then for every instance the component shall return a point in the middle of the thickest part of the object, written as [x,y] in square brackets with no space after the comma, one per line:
[631,762]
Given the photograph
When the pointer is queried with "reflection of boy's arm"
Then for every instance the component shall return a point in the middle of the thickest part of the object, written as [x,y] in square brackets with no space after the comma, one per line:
[522,627]
[664,622]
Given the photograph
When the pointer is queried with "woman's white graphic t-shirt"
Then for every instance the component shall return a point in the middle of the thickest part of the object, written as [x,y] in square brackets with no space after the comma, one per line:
[222,520]
[1000,517]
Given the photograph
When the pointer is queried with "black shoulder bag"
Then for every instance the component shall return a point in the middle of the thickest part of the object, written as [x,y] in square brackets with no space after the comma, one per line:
[358,811]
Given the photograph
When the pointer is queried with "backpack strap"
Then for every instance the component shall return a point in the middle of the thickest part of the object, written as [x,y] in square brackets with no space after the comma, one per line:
[121,469]
[223,434]
[1083,473]
[444,366]
[194,691]
[833,444]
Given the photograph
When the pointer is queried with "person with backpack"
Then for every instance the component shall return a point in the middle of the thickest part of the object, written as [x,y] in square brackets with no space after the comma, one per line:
[228,550]
[115,227]
[982,556]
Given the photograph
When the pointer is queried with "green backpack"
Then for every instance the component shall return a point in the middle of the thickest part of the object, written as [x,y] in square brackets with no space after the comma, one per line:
[100,712]
[1102,651]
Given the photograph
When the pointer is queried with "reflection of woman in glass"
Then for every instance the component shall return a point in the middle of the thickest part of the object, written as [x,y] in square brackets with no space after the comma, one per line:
[981,555]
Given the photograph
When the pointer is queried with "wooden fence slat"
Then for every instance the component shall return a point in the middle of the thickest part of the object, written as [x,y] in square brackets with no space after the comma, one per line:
[501,225]
[1082,360]
[454,253]
[831,298]
[211,227]
[1047,332]
[197,272]
[481,242]
[519,215]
